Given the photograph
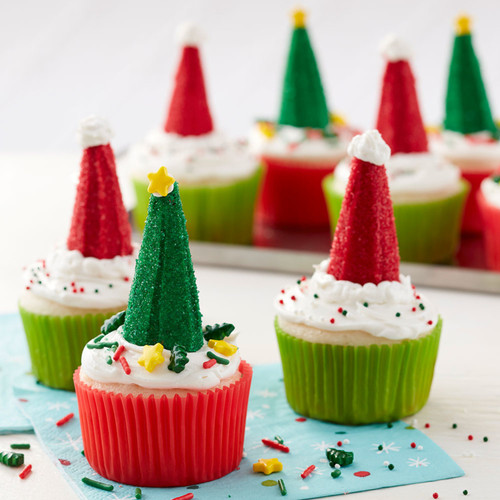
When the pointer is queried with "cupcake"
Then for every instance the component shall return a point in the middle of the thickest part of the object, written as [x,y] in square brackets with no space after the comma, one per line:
[81,283]
[162,401]
[489,205]
[358,343]
[219,177]
[470,137]
[302,147]
[427,192]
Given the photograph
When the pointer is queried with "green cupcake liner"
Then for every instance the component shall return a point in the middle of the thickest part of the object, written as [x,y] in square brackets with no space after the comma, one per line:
[56,343]
[427,232]
[355,385]
[222,213]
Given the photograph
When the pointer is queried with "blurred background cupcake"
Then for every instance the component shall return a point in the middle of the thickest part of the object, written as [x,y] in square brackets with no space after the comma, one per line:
[427,193]
[69,294]
[358,343]
[489,205]
[155,390]
[470,137]
[303,146]
[219,177]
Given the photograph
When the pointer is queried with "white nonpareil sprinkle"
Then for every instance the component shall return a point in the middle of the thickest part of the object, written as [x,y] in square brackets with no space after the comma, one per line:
[346,441]
[386,463]
[420,447]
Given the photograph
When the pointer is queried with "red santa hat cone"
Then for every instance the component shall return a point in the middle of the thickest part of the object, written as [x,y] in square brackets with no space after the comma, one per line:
[399,119]
[99,227]
[365,246]
[189,113]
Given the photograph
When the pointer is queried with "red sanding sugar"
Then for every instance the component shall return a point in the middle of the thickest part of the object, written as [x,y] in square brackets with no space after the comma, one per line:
[399,119]
[365,246]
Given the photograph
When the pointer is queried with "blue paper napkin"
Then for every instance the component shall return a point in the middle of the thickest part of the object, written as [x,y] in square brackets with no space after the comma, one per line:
[268,415]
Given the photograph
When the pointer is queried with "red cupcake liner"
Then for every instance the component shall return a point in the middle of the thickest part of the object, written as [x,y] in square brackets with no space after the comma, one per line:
[472,221]
[164,442]
[491,224]
[291,194]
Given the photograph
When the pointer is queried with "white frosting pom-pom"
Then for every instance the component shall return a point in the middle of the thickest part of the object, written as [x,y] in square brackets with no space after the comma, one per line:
[395,49]
[370,147]
[189,35]
[94,131]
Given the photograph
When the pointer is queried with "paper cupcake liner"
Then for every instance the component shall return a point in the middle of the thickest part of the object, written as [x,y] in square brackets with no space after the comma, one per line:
[472,220]
[291,195]
[222,213]
[427,232]
[164,442]
[56,342]
[491,224]
[358,384]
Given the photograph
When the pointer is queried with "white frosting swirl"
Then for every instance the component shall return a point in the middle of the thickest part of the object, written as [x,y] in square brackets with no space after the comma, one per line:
[410,174]
[189,34]
[194,376]
[370,147]
[94,131]
[70,279]
[491,191]
[394,48]
[191,159]
[473,147]
[379,318]
[297,143]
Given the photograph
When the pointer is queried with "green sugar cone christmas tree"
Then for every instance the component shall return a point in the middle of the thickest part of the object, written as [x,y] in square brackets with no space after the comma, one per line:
[467,107]
[163,305]
[303,101]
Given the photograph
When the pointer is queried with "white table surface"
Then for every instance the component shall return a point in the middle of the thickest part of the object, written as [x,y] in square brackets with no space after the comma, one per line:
[466,387]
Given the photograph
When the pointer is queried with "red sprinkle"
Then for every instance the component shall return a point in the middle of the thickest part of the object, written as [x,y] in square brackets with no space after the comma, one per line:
[75,290]
[82,289]
[417,297]
[470,437]
[307,471]
[281,301]
[209,363]
[65,419]
[118,352]
[332,321]
[48,275]
[293,297]
[64,461]
[362,473]
[283,291]
[187,496]
[339,309]
[126,278]
[429,322]
[413,309]
[300,419]
[413,445]
[275,445]
[72,283]
[435,495]
[22,400]
[126,367]
[339,443]
[303,278]
[27,288]
[427,426]
[26,472]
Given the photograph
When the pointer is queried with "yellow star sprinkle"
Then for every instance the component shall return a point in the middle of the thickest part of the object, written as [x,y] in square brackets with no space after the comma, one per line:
[299,18]
[463,25]
[222,347]
[338,119]
[268,465]
[160,182]
[152,356]
[266,129]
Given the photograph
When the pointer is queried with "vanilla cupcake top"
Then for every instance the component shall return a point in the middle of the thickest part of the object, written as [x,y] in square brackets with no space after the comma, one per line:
[490,188]
[391,309]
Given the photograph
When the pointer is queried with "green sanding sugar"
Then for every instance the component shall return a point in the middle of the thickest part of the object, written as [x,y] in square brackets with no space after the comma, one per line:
[163,305]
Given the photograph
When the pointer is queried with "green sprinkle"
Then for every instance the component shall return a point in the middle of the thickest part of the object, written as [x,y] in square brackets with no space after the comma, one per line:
[485,439]
[138,493]
[454,426]
[336,473]
[282,486]
[11,459]
[380,447]
[279,439]
[496,178]
[390,467]
[421,306]
[178,359]
[316,296]
[83,452]
[65,287]
[398,315]
[219,360]
[97,484]
[110,285]
[465,492]
[20,446]
[389,425]
[344,312]
[99,338]
[96,291]
[218,331]
[39,282]
[102,345]
[299,282]
[109,360]
[365,304]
